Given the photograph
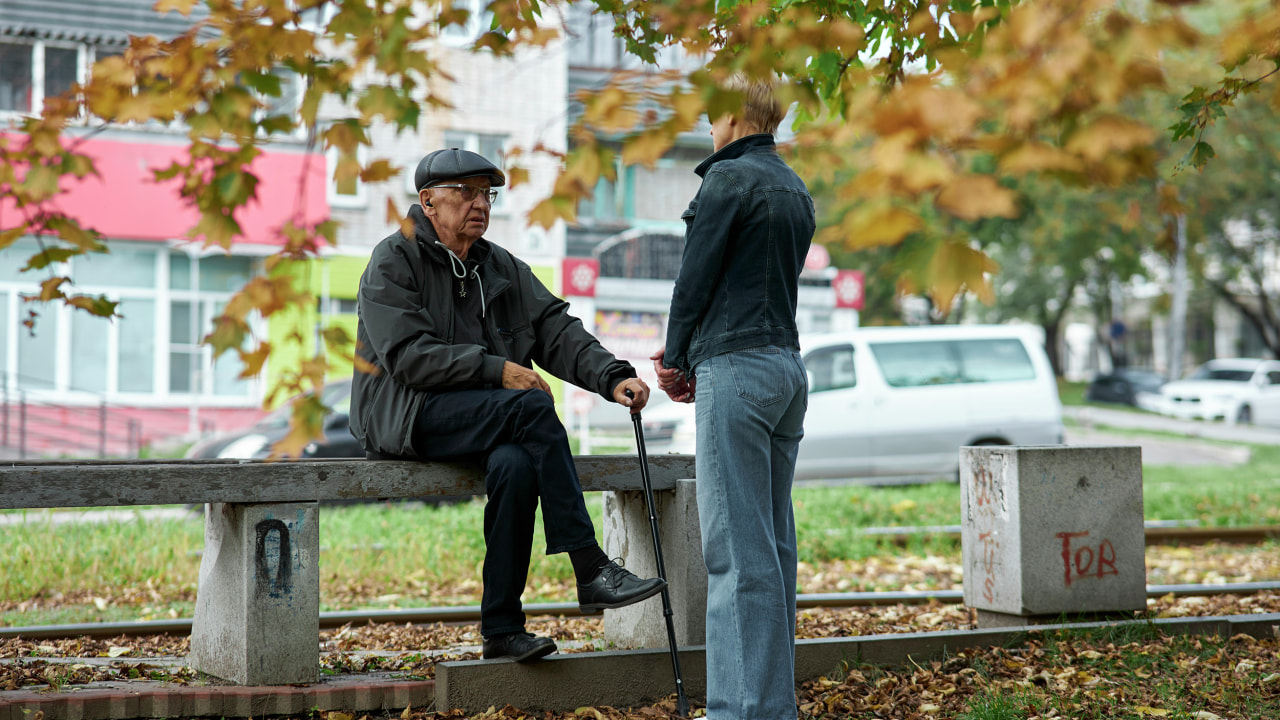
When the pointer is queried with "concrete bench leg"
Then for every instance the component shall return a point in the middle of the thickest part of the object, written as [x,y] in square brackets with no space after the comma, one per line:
[257,617]
[627,535]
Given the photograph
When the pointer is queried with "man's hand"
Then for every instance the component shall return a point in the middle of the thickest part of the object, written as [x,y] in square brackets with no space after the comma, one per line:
[519,377]
[672,381]
[638,389]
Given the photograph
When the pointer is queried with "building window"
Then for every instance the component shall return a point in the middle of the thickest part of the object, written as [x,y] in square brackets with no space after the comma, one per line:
[479,20]
[167,300]
[349,192]
[31,72]
[16,92]
[606,204]
[591,42]
[200,288]
[287,104]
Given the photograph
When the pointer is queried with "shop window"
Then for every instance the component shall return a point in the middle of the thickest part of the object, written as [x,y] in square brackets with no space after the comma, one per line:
[38,352]
[137,346]
[122,266]
[89,352]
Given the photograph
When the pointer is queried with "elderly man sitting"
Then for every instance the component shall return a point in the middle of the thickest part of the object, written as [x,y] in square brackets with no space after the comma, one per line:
[452,323]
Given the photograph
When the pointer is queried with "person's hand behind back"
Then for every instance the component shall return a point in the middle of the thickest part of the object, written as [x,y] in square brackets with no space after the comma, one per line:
[671,381]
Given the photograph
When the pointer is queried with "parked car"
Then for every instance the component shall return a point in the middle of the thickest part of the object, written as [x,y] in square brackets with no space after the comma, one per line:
[1128,386]
[1244,390]
[898,403]
[256,441]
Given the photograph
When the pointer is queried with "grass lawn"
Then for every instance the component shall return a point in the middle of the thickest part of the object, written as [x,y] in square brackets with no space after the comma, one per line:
[408,555]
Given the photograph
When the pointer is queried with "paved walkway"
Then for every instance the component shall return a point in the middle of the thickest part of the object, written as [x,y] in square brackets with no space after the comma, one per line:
[1089,416]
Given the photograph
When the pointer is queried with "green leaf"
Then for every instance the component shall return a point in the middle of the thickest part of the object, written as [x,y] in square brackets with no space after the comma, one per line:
[50,256]
[100,305]
[263,82]
[1200,154]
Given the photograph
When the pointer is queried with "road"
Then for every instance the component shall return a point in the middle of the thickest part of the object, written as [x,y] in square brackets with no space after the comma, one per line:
[1197,442]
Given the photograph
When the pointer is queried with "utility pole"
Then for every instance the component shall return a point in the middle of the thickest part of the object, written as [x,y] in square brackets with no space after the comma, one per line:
[1178,313]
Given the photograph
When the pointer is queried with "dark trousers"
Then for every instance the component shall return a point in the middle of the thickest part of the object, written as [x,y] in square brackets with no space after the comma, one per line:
[524,450]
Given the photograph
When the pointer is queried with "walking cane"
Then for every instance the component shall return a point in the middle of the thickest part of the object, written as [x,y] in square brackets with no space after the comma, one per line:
[682,703]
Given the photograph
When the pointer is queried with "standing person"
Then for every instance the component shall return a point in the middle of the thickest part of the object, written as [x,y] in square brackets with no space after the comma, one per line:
[451,324]
[732,344]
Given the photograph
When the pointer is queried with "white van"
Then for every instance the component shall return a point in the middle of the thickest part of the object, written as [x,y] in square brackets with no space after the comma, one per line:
[899,402]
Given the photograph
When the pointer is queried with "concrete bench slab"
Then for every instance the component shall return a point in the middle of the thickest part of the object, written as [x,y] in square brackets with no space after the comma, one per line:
[257,604]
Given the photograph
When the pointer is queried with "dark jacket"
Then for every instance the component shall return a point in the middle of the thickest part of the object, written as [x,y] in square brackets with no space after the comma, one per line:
[746,236]
[406,330]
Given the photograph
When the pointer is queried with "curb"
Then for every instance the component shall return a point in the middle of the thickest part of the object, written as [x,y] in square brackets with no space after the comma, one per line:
[624,677]
[118,700]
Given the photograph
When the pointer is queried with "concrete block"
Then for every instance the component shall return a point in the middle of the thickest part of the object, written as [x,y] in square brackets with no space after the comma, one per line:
[627,534]
[257,615]
[1052,529]
[560,683]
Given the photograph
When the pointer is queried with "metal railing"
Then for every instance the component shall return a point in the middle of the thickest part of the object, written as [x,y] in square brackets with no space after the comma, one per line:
[36,428]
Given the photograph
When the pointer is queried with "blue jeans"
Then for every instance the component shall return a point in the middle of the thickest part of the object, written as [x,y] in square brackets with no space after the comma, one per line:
[750,418]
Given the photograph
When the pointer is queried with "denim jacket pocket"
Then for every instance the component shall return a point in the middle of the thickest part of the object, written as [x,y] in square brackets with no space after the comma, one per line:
[755,374]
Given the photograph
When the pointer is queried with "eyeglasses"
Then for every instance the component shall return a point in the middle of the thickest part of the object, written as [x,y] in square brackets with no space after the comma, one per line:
[471,192]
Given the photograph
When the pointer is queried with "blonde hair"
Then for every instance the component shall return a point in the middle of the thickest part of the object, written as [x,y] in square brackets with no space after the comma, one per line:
[760,107]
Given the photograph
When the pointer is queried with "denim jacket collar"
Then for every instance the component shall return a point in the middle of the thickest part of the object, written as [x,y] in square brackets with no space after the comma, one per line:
[737,149]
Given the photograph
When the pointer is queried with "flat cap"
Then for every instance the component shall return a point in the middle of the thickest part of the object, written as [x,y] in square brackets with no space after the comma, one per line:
[453,164]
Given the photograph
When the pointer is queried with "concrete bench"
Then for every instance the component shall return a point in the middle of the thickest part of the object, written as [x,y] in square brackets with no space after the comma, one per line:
[257,604]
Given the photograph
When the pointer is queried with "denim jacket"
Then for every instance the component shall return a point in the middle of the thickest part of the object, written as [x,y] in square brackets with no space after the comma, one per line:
[747,233]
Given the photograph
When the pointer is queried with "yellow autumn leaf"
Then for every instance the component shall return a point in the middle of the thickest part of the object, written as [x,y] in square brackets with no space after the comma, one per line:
[1038,157]
[379,170]
[1109,134]
[253,361]
[228,334]
[646,148]
[973,197]
[954,267]
[611,109]
[517,175]
[50,288]
[866,227]
[1148,711]
[182,6]
[552,209]
[306,425]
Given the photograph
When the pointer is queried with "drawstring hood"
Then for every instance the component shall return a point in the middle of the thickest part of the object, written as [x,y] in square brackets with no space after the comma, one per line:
[459,270]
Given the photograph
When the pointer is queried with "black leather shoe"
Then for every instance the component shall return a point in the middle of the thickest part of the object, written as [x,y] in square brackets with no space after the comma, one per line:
[616,587]
[520,646]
